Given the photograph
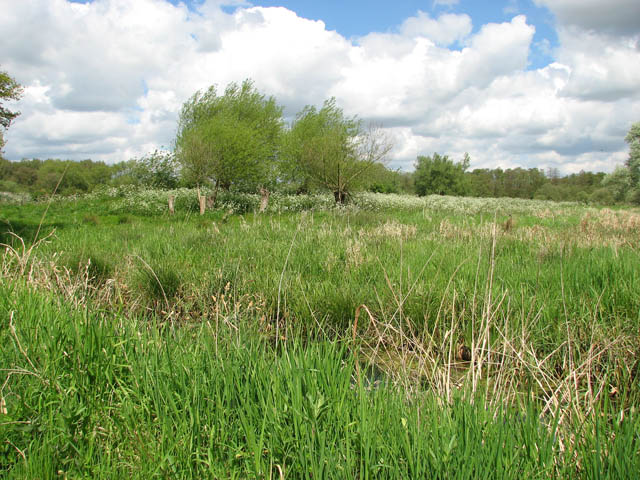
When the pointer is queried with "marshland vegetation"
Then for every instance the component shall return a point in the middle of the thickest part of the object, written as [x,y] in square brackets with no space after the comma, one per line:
[394,337]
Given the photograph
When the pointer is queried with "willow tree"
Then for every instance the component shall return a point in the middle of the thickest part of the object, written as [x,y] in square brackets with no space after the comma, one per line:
[332,151]
[9,90]
[229,140]
[624,181]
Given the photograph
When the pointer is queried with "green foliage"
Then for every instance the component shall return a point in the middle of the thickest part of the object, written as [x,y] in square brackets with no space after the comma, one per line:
[381,179]
[440,175]
[97,267]
[633,162]
[619,183]
[230,140]
[9,90]
[96,384]
[514,183]
[158,169]
[328,150]
[624,182]
[40,177]
[158,282]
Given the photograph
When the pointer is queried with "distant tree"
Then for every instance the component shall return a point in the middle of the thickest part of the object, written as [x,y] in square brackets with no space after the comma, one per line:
[381,179]
[602,196]
[40,177]
[633,162]
[9,90]
[624,181]
[481,182]
[440,175]
[25,175]
[158,169]
[522,183]
[553,174]
[326,149]
[229,140]
[550,191]
[619,183]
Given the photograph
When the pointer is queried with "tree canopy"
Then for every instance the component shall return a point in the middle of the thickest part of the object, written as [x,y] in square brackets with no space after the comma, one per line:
[157,169]
[229,140]
[329,150]
[624,182]
[440,175]
[633,162]
[9,90]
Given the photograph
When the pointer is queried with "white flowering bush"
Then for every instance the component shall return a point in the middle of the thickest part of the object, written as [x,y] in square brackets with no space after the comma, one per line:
[469,205]
[462,205]
[147,201]
[10,197]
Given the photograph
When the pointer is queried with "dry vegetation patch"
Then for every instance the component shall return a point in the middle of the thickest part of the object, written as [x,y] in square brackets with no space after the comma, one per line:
[391,229]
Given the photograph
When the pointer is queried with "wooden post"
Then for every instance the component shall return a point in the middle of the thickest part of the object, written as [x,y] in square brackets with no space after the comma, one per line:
[171,204]
[202,200]
[264,201]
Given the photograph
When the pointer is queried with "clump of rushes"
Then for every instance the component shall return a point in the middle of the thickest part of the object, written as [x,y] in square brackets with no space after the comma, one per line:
[122,219]
[97,268]
[158,282]
[90,219]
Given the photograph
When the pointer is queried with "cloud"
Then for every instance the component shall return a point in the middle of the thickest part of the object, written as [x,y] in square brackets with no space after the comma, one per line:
[619,17]
[446,30]
[445,3]
[106,80]
[602,68]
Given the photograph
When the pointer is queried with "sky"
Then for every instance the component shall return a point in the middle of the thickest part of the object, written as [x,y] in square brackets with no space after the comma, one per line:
[515,83]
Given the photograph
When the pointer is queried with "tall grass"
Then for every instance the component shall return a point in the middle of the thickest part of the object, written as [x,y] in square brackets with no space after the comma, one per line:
[100,396]
[396,341]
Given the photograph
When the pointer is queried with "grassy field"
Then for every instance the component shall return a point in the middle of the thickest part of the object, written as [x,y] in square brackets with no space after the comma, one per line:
[398,337]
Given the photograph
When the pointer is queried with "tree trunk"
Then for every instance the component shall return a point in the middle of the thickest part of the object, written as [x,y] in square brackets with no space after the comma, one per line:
[340,196]
[211,201]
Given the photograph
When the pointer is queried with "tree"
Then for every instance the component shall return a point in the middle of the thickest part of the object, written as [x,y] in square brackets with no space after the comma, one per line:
[624,182]
[440,175]
[9,90]
[329,150]
[618,183]
[633,162]
[157,169]
[229,140]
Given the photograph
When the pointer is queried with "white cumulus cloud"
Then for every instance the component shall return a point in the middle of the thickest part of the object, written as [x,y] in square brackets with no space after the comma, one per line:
[106,80]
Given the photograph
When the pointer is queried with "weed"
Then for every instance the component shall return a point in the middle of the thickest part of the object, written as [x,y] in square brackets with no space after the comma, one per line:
[90,219]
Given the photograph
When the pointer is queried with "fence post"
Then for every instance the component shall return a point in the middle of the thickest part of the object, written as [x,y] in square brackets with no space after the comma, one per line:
[264,201]
[171,204]
[202,199]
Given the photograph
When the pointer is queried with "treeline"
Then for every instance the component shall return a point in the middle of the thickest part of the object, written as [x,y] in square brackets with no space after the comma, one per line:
[534,183]
[41,177]
[160,170]
[157,170]
[240,141]
[439,174]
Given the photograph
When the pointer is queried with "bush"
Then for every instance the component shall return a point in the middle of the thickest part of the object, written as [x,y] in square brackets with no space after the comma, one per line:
[602,196]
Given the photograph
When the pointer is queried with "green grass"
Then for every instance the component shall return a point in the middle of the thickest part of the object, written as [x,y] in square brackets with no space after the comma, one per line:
[100,396]
[222,346]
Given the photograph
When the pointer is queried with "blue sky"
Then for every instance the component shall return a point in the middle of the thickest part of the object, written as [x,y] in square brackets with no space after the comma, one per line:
[354,18]
[515,83]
